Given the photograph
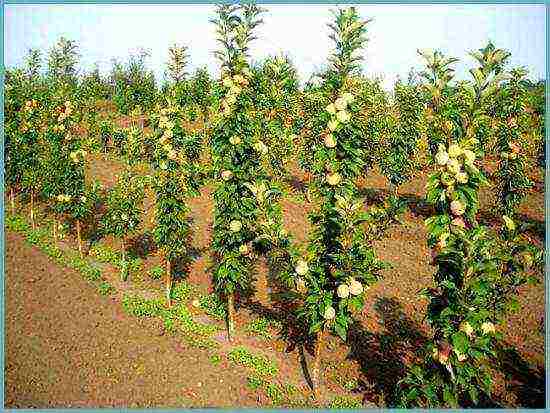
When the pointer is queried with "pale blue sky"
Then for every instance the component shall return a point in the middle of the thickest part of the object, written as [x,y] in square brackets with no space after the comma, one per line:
[104,32]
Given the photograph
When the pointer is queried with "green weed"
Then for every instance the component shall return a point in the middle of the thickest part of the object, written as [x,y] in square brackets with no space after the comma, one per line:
[254,382]
[16,223]
[105,288]
[177,318]
[141,307]
[260,327]
[260,365]
[182,291]
[345,402]
[156,272]
[213,306]
[105,254]
[215,359]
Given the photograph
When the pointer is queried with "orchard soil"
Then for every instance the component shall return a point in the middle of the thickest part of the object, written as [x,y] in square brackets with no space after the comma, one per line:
[67,346]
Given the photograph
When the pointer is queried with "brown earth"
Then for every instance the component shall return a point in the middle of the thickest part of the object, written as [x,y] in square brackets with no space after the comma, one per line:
[66,346]
[389,333]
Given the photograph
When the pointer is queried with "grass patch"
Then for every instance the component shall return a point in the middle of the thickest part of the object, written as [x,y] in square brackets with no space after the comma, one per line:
[182,291]
[215,359]
[260,327]
[213,306]
[282,395]
[191,326]
[254,382]
[345,402]
[40,237]
[351,384]
[275,394]
[105,288]
[260,365]
[156,272]
[16,223]
[89,272]
[177,318]
[107,255]
[141,307]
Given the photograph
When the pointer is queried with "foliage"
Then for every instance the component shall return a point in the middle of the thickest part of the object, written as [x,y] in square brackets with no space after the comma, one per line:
[94,86]
[512,181]
[133,146]
[133,84]
[177,61]
[25,149]
[441,107]
[124,206]
[33,63]
[398,149]
[62,61]
[339,264]
[277,96]
[478,273]
[201,89]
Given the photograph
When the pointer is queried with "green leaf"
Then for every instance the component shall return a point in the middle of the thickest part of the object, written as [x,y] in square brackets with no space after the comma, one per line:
[461,342]
[473,394]
[315,327]
[449,398]
[341,331]
[513,305]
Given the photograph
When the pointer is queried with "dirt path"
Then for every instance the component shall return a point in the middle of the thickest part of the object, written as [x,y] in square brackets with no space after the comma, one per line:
[66,346]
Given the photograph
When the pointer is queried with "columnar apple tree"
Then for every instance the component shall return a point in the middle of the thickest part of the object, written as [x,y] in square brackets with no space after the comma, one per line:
[477,274]
[14,143]
[276,85]
[340,264]
[237,149]
[62,172]
[511,179]
[74,198]
[397,163]
[28,138]
[175,156]
[124,209]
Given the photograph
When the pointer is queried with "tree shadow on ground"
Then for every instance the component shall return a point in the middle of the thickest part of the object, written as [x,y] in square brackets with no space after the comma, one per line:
[527,382]
[373,196]
[293,331]
[383,357]
[534,226]
[296,183]
[527,225]
[142,245]
[92,229]
[416,204]
[282,309]
[182,266]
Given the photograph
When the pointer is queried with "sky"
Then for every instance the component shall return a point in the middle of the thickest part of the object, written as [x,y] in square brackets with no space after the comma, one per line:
[104,32]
